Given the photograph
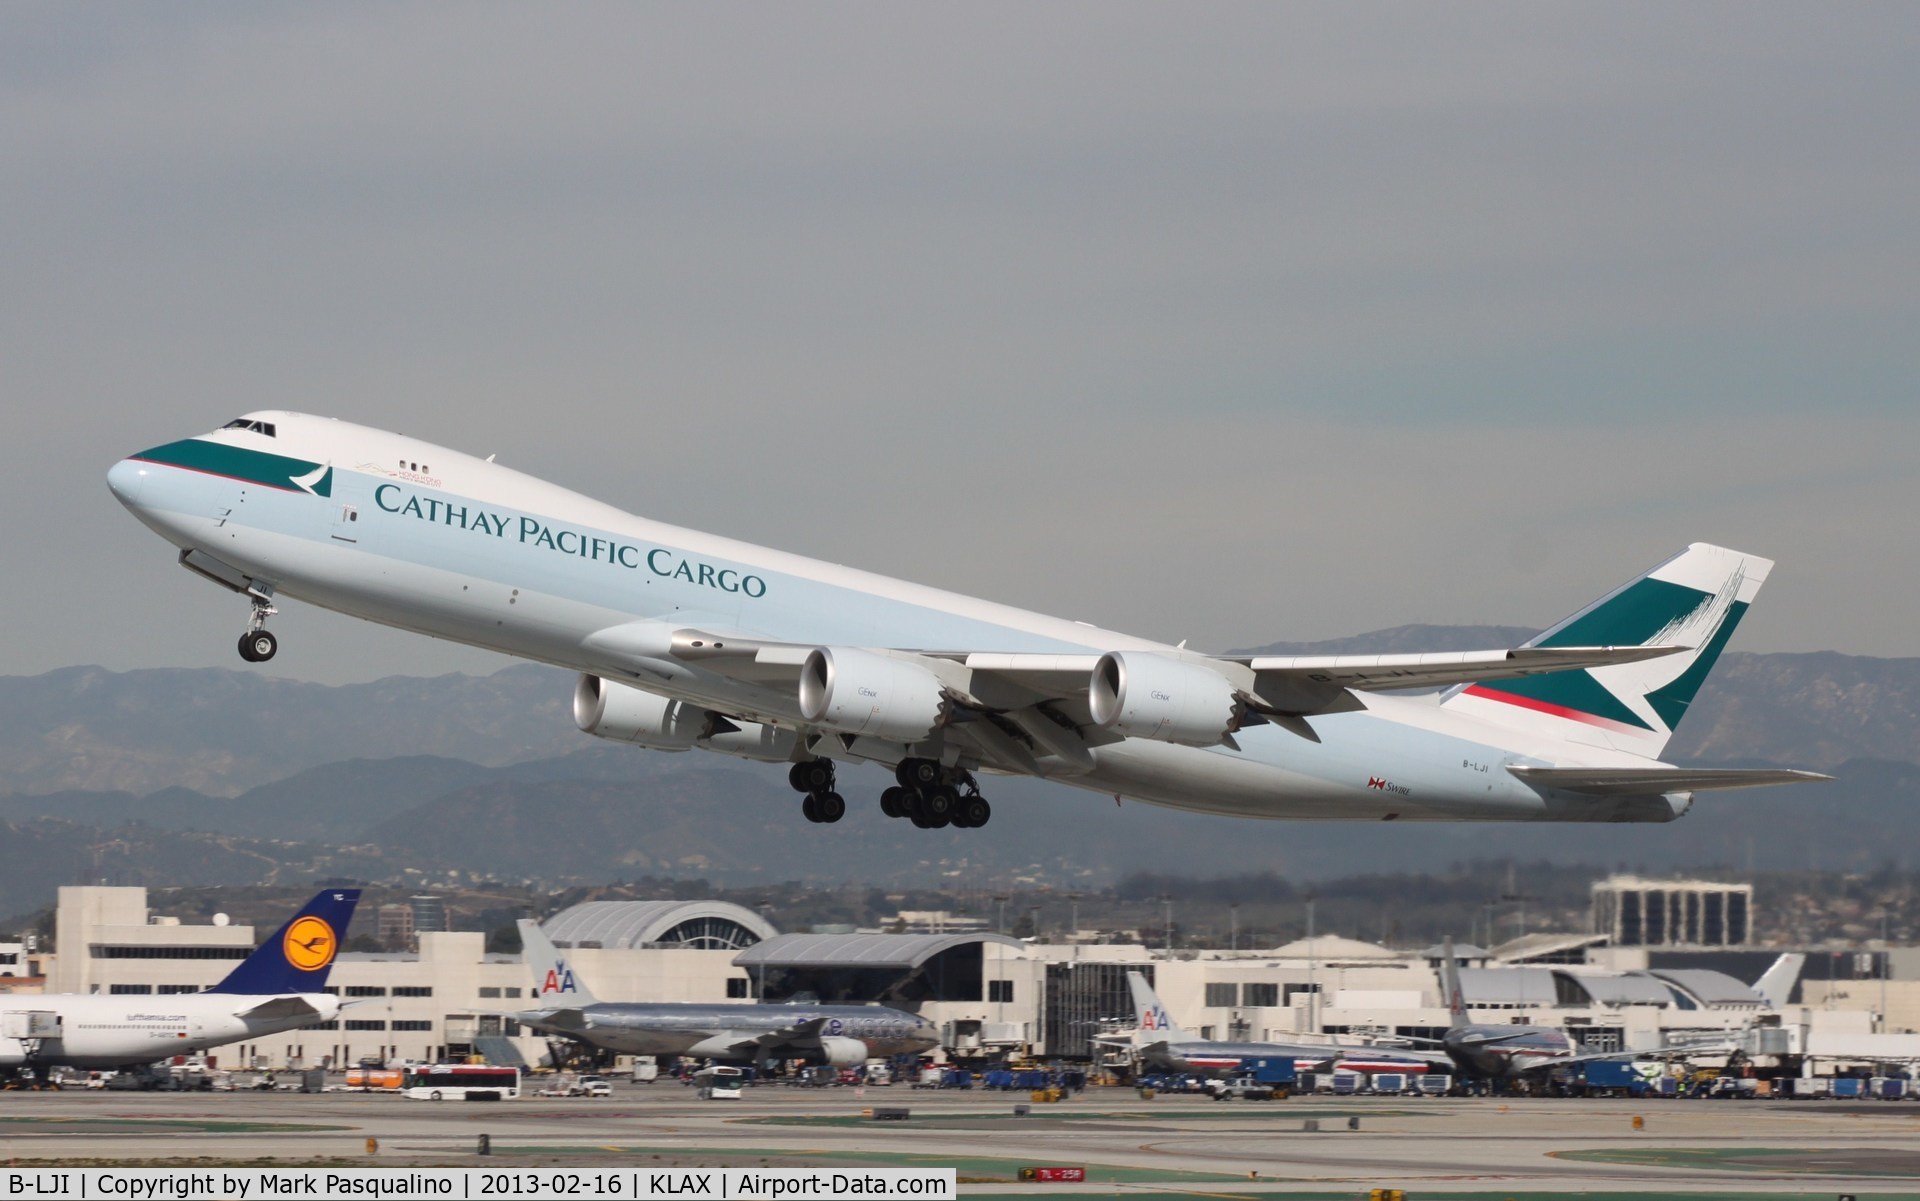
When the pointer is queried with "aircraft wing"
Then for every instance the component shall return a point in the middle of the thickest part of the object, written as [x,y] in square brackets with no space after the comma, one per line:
[745,1043]
[279,1007]
[1302,685]
[1294,686]
[1643,781]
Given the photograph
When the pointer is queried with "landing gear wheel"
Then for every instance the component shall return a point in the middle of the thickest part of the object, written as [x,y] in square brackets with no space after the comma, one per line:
[830,806]
[940,801]
[917,773]
[973,812]
[257,646]
[815,775]
[894,802]
[810,808]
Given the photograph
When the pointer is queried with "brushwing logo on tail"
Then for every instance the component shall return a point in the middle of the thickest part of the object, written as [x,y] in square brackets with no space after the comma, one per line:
[309,944]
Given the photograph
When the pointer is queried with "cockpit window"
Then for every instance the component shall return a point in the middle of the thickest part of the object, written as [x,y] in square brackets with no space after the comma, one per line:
[258,427]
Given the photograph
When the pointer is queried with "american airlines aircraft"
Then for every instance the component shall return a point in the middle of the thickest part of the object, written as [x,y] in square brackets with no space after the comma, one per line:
[277,987]
[730,1032]
[684,639]
[1162,1044]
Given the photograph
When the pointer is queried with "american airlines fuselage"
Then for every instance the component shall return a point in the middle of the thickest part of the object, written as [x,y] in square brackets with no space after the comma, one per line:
[412,535]
[716,1031]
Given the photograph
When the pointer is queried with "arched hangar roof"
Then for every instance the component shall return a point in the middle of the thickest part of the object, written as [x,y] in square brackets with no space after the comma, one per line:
[627,924]
[901,952]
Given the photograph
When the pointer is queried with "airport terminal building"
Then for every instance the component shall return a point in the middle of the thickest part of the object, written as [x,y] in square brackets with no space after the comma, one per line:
[992,996]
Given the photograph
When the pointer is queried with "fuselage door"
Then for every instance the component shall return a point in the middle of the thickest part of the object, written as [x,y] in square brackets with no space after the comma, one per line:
[346,522]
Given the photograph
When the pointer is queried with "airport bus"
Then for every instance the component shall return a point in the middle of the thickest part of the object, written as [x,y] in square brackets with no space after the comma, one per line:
[461,1082]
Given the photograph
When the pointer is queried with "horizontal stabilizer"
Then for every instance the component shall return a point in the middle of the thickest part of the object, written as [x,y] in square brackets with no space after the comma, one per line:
[278,1008]
[1654,781]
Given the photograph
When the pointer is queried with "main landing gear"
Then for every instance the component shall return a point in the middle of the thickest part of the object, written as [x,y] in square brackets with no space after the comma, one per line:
[815,778]
[258,645]
[931,796]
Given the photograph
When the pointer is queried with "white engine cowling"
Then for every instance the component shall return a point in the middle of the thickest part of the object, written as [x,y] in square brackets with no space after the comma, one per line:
[844,1052]
[1150,696]
[609,710]
[859,692]
[751,740]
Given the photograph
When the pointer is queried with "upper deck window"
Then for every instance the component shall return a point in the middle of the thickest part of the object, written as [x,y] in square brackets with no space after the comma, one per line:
[258,427]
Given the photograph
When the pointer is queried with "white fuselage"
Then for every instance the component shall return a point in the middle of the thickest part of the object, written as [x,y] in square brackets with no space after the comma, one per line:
[422,538]
[123,1031]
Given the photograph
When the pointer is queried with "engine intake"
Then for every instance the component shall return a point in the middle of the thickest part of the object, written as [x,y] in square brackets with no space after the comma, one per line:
[1151,696]
[859,692]
[609,710]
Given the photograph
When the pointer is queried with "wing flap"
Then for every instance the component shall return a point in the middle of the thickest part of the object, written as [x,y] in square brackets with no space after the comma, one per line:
[1655,781]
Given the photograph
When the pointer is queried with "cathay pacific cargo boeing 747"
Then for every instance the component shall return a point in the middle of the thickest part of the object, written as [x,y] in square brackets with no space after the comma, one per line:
[687,640]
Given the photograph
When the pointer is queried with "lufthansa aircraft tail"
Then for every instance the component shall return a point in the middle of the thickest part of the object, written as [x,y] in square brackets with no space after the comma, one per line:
[1694,600]
[554,983]
[1150,1015]
[299,955]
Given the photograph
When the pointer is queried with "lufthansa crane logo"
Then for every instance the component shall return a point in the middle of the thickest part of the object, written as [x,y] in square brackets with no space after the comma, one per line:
[309,944]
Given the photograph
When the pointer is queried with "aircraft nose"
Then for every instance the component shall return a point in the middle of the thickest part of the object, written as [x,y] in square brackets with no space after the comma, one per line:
[125,480]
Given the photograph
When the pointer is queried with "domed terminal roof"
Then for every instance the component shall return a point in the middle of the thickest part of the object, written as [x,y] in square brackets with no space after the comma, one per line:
[712,925]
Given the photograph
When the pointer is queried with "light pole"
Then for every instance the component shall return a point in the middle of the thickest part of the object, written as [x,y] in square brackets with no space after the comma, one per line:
[1000,899]
[1166,900]
[1073,915]
[1886,961]
[1233,926]
[1313,989]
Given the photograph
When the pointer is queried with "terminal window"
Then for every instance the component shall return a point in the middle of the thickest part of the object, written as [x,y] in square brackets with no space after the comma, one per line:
[365,1024]
[1255,996]
[412,1024]
[413,990]
[365,990]
[1000,990]
[1220,996]
[738,986]
[490,991]
[172,989]
[129,990]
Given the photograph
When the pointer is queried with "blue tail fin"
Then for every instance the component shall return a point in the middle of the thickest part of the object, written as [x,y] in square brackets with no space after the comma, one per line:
[298,956]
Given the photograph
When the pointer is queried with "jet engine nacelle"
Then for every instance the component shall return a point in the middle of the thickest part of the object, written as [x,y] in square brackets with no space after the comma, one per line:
[609,710]
[843,1052]
[859,692]
[1151,696]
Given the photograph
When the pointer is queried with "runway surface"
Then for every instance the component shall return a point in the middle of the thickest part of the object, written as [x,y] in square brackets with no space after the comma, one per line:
[1168,1146]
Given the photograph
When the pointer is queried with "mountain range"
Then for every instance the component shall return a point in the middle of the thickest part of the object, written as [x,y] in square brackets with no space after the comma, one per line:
[211,776]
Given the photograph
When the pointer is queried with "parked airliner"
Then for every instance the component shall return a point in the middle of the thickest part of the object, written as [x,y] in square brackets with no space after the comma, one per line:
[278,987]
[1161,1044]
[688,640]
[728,1032]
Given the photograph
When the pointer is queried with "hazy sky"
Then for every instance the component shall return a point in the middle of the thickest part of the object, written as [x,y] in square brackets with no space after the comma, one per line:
[1224,322]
